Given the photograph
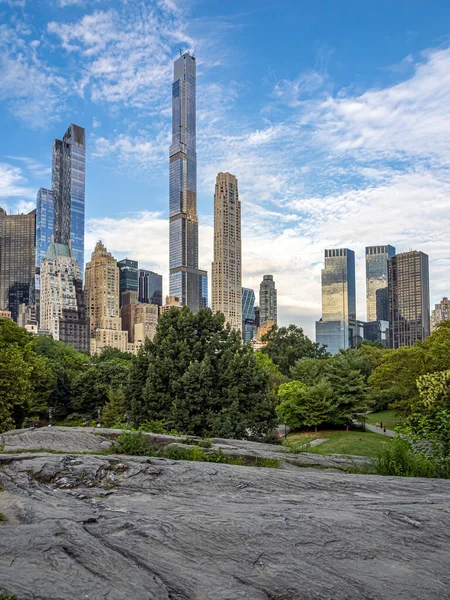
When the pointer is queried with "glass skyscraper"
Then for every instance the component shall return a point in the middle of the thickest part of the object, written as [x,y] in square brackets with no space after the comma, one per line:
[128,277]
[409,298]
[377,282]
[68,186]
[186,281]
[45,216]
[249,326]
[337,327]
[150,287]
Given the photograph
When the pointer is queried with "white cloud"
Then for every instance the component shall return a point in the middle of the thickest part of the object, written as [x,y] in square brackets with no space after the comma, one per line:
[12,182]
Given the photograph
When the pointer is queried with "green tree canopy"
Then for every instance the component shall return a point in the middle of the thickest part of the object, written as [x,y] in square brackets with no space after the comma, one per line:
[286,345]
[199,378]
[303,406]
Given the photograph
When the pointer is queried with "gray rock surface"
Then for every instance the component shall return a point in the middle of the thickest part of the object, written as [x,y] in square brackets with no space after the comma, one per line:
[96,527]
[60,439]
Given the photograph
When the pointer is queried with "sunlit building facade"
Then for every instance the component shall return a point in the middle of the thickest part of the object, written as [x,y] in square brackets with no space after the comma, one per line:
[440,312]
[226,267]
[377,282]
[337,327]
[267,300]
[68,187]
[17,259]
[186,280]
[409,298]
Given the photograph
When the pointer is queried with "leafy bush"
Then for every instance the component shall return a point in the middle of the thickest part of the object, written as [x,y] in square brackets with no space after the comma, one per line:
[2,517]
[4,595]
[401,459]
[134,443]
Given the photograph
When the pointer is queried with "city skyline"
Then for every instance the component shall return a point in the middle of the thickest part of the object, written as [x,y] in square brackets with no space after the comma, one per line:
[289,212]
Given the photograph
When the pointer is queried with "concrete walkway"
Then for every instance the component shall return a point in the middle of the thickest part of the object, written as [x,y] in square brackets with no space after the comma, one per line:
[389,432]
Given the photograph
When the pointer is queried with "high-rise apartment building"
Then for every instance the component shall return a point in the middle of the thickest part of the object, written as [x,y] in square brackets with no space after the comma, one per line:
[267,300]
[150,287]
[63,312]
[102,292]
[185,277]
[45,217]
[249,326]
[140,320]
[377,282]
[68,187]
[409,298]
[337,327]
[17,259]
[226,267]
[128,277]
[441,312]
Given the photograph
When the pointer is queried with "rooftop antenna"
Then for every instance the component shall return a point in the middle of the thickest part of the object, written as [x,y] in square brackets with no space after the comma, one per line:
[181,51]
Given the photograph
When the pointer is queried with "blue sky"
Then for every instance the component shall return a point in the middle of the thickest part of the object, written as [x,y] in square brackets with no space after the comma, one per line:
[334,116]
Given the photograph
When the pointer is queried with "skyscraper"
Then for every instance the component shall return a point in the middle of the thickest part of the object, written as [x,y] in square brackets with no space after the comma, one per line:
[68,186]
[45,217]
[441,312]
[226,268]
[128,277]
[376,282]
[249,327]
[150,287]
[17,259]
[336,328]
[267,300]
[185,278]
[102,300]
[409,298]
[63,312]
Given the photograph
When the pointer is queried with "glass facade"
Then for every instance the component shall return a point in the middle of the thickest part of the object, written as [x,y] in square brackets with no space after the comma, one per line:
[68,186]
[17,260]
[409,298]
[267,300]
[128,276]
[249,326]
[185,278]
[45,216]
[337,327]
[150,287]
[203,289]
[377,282]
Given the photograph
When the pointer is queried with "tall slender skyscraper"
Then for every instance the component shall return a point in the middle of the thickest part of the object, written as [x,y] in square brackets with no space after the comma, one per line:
[377,282]
[45,218]
[226,268]
[336,328]
[267,300]
[409,298]
[249,326]
[186,281]
[17,259]
[128,277]
[68,186]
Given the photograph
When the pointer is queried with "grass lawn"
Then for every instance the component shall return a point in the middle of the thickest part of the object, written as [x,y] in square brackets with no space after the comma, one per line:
[344,442]
[387,417]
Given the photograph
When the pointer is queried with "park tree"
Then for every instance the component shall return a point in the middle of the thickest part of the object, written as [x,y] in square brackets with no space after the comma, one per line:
[199,378]
[286,345]
[306,406]
[276,378]
[115,409]
[309,370]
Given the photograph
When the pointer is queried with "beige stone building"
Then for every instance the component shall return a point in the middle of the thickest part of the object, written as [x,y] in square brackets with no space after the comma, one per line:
[171,302]
[5,314]
[441,312]
[140,320]
[226,267]
[102,301]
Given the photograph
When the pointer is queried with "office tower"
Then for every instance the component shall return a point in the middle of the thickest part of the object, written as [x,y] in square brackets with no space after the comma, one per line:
[203,289]
[102,291]
[185,277]
[337,327]
[150,287]
[63,312]
[17,259]
[27,318]
[409,298]
[267,300]
[257,316]
[140,320]
[128,277]
[45,216]
[226,267]
[249,327]
[376,282]
[441,312]
[68,187]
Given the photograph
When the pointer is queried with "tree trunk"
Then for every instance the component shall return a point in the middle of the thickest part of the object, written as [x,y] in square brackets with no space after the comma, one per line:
[346,427]
[315,428]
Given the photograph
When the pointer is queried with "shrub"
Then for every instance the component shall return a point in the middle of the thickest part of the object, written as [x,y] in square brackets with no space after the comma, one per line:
[2,517]
[134,443]
[399,458]
[4,595]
